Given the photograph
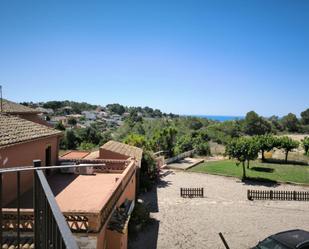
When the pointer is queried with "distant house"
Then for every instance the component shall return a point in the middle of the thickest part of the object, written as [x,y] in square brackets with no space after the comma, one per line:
[25,112]
[102,114]
[89,115]
[48,111]
[21,142]
[116,117]
[75,116]
[59,119]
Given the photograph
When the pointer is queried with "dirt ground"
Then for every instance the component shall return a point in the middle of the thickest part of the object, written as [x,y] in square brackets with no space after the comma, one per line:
[195,223]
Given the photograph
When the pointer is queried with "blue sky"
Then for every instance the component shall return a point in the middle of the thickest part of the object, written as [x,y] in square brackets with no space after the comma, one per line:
[187,57]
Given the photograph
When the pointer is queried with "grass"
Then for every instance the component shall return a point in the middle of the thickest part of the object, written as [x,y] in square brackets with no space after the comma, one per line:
[271,172]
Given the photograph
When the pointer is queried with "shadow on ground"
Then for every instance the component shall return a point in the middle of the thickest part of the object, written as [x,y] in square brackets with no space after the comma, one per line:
[262,169]
[260,181]
[148,236]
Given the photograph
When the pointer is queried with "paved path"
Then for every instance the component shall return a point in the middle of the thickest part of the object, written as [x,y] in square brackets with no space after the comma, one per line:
[195,223]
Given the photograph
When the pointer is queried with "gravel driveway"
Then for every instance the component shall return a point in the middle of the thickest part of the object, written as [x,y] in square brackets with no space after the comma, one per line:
[195,223]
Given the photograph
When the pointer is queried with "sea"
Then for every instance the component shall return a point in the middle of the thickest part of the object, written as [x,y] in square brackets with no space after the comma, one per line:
[218,117]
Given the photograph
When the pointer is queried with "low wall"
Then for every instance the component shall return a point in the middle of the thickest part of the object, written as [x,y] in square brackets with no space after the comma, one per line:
[179,157]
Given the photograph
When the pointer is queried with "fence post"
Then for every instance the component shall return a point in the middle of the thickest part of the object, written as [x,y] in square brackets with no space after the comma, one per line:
[271,194]
[294,195]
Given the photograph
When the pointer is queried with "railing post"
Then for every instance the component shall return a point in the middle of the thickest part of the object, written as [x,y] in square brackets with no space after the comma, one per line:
[36,206]
[18,209]
[1,231]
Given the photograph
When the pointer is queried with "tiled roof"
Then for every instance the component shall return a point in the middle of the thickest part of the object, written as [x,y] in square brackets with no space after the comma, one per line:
[16,130]
[14,108]
[124,149]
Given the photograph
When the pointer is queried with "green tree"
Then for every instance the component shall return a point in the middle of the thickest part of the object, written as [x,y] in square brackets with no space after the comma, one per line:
[305,144]
[133,118]
[71,140]
[256,125]
[72,121]
[201,145]
[287,144]
[116,108]
[165,140]
[290,122]
[59,126]
[89,135]
[195,124]
[184,143]
[305,117]
[86,146]
[105,137]
[136,140]
[265,143]
[243,149]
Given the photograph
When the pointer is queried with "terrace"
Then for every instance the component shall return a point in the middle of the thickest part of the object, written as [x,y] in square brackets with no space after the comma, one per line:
[87,199]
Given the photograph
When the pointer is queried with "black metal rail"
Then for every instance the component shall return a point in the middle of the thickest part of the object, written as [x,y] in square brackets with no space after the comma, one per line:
[50,227]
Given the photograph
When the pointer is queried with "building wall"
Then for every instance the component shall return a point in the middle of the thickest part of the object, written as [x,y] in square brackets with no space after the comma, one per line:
[113,239]
[23,155]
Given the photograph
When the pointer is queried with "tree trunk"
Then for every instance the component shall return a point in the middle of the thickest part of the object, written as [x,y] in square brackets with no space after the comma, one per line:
[286,156]
[248,162]
[243,170]
[263,157]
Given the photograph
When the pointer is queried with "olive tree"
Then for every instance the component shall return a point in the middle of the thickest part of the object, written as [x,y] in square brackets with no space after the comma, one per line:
[265,143]
[305,144]
[287,144]
[243,149]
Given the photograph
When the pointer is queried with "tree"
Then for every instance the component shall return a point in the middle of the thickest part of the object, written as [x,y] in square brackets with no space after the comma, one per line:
[243,149]
[70,140]
[72,121]
[256,125]
[287,144]
[184,143]
[276,123]
[89,135]
[133,118]
[305,144]
[290,122]
[265,143]
[105,137]
[136,140]
[116,108]
[86,146]
[195,124]
[305,117]
[165,140]
[59,126]
[201,146]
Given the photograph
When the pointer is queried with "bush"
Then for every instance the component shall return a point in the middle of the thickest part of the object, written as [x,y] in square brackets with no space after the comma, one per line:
[86,146]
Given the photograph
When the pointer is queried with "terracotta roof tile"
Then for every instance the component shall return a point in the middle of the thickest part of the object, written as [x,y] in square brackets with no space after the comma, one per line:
[123,149]
[14,108]
[16,130]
